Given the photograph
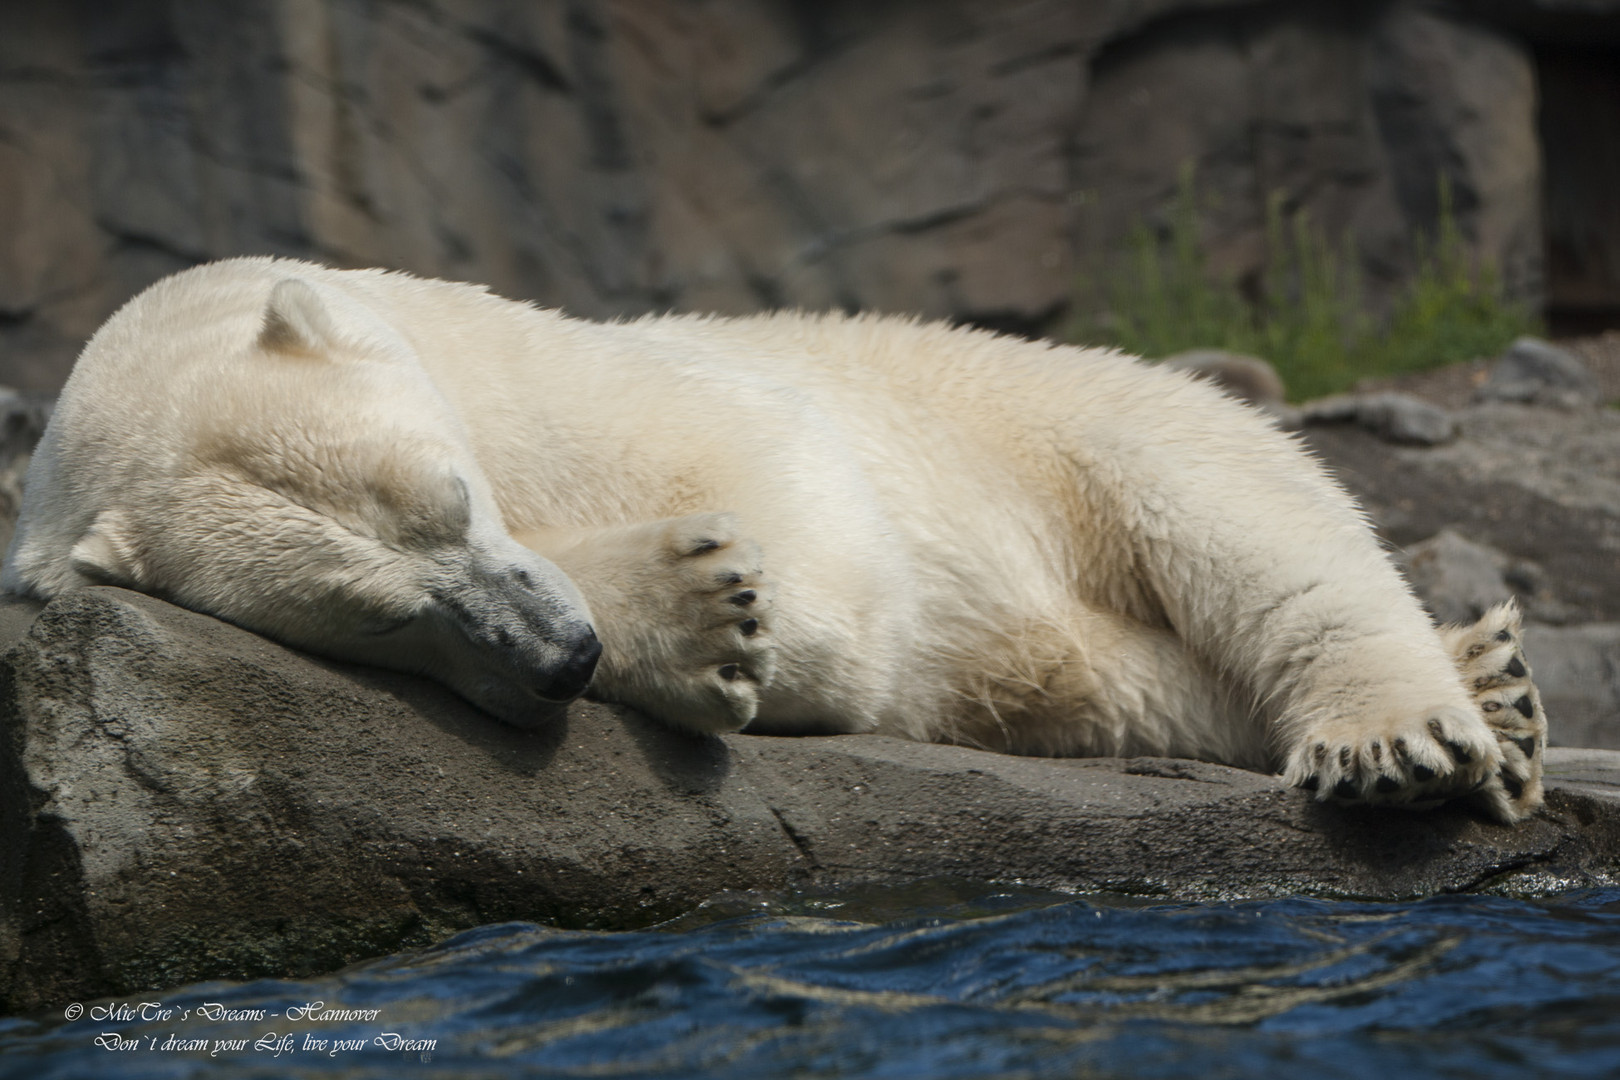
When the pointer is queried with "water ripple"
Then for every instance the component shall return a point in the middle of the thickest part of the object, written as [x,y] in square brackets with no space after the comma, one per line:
[935,980]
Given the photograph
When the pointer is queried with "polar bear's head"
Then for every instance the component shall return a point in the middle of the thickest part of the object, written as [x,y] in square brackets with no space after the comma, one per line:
[318,490]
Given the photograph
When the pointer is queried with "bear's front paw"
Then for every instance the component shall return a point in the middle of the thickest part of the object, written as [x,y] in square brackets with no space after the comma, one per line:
[1416,762]
[699,649]
[1494,669]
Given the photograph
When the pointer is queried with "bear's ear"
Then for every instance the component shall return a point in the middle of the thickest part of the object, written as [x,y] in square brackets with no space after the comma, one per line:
[297,321]
[104,554]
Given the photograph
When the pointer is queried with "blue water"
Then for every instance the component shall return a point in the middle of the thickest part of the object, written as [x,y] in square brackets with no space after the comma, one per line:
[935,980]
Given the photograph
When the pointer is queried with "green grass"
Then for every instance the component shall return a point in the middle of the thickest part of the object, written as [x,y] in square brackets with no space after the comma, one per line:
[1310,320]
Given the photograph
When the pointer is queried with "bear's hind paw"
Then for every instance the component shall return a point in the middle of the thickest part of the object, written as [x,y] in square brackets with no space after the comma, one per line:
[1490,657]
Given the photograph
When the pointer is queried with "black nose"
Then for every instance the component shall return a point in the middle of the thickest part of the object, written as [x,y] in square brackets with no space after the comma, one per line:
[574,676]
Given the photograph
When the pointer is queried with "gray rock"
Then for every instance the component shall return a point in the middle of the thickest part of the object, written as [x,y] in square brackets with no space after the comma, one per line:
[1247,378]
[1394,417]
[1577,669]
[1536,372]
[1456,578]
[1350,113]
[181,800]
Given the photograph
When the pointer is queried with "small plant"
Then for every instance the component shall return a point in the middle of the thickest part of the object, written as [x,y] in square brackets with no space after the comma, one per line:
[1310,320]
[1451,310]
[1166,300]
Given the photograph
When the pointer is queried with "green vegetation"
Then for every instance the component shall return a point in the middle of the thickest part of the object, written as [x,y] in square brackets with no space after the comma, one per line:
[1310,320]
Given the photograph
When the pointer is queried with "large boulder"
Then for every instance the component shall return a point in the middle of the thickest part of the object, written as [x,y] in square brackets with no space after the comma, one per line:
[180,800]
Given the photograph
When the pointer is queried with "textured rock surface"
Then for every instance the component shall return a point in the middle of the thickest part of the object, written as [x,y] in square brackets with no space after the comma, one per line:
[1350,111]
[1457,578]
[1536,484]
[182,800]
[958,159]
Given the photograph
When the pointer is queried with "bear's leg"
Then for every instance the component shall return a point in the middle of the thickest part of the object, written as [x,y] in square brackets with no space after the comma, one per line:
[1493,666]
[1267,571]
[682,611]
[1370,705]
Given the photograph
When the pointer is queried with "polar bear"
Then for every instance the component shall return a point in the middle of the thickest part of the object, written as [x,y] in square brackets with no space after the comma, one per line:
[784,523]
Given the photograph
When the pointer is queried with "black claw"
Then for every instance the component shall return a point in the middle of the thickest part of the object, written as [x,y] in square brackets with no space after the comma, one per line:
[1504,635]
[748,627]
[730,579]
[1422,773]
[1478,784]
[744,598]
[1524,706]
[729,672]
[1460,752]
[1527,746]
[1344,789]
[705,546]
[1511,784]
[1311,782]
[1515,668]
[1344,757]
[1387,784]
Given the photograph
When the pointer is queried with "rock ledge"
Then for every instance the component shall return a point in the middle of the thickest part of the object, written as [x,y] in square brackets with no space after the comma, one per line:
[182,800]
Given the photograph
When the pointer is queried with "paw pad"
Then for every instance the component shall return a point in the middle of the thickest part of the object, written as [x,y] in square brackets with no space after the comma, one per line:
[1511,784]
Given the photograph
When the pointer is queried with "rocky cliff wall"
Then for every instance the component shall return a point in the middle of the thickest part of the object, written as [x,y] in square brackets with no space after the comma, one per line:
[958,158]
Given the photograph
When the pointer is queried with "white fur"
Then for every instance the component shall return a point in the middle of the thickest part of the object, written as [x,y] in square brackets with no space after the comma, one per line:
[952,535]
